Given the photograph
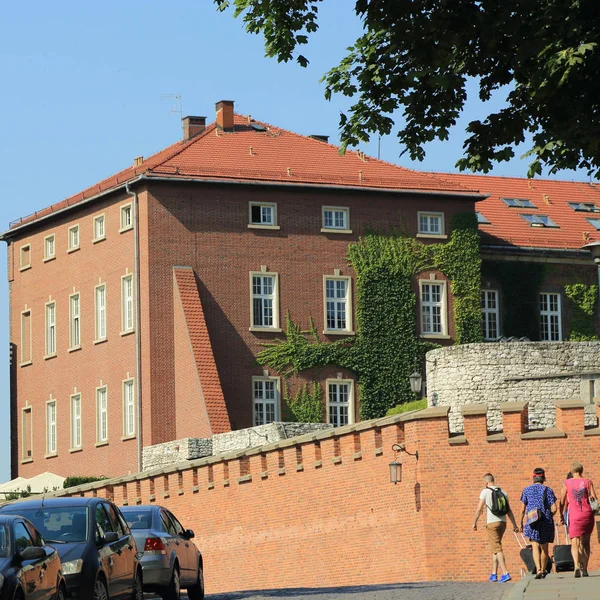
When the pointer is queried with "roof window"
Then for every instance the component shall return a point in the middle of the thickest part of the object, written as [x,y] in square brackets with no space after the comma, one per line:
[594,222]
[258,127]
[481,219]
[539,220]
[518,203]
[584,206]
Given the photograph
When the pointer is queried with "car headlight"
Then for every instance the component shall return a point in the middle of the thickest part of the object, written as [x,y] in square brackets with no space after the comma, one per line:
[73,566]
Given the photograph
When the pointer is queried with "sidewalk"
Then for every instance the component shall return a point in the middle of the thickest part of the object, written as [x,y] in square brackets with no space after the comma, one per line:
[557,586]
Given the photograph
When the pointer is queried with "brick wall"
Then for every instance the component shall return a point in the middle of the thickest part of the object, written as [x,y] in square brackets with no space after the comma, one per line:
[318,510]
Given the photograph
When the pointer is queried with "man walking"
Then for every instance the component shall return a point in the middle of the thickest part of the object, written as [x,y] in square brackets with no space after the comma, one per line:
[495,500]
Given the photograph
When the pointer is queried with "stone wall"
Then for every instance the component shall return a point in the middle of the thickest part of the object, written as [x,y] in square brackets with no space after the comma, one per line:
[177,451]
[536,372]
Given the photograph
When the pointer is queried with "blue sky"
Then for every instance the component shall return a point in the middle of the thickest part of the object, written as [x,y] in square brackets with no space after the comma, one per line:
[83,88]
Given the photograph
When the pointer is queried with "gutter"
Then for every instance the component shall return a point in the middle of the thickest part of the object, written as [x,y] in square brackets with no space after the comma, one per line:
[529,249]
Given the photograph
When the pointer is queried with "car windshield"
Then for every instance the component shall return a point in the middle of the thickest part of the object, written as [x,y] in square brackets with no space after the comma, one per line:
[59,523]
[138,518]
[4,544]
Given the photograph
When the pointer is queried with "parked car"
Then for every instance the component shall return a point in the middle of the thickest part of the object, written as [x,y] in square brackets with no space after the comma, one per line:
[29,568]
[170,561]
[98,553]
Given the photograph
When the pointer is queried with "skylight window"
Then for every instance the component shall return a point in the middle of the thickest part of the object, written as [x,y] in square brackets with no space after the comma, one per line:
[594,222]
[584,206]
[539,220]
[258,127]
[481,219]
[518,203]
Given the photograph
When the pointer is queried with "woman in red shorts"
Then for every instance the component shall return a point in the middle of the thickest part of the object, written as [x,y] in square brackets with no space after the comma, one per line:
[576,494]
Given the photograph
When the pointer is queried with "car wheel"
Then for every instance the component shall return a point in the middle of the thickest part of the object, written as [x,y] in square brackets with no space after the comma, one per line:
[100,592]
[196,592]
[174,590]
[137,593]
[61,593]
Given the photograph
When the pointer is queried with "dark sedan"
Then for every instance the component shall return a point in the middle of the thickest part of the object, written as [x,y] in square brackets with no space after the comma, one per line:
[170,559]
[29,569]
[98,552]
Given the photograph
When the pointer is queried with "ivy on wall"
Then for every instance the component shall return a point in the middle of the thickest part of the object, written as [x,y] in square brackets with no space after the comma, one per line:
[306,406]
[583,302]
[387,348]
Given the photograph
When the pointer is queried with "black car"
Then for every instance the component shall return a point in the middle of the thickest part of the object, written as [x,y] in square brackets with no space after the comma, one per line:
[98,553]
[29,569]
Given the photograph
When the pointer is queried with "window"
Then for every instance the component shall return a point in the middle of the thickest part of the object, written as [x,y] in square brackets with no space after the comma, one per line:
[518,202]
[336,218]
[266,399]
[340,410]
[49,247]
[51,329]
[128,408]
[433,308]
[25,257]
[75,421]
[489,314]
[126,217]
[264,301]
[584,206]
[99,232]
[338,305]
[539,220]
[103,522]
[73,238]
[101,415]
[482,219]
[550,318]
[51,427]
[127,322]
[263,214]
[26,431]
[22,538]
[74,322]
[100,309]
[26,339]
[594,222]
[431,223]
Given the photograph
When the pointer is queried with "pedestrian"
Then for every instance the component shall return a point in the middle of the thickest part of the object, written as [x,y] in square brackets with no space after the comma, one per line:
[497,507]
[539,506]
[577,494]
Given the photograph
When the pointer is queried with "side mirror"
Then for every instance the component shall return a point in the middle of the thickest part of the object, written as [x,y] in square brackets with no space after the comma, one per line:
[110,537]
[189,534]
[32,553]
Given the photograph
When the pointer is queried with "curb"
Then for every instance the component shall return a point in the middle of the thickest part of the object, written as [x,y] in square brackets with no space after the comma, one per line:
[518,590]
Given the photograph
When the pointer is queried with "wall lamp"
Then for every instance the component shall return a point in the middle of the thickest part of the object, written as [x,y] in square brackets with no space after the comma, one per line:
[396,466]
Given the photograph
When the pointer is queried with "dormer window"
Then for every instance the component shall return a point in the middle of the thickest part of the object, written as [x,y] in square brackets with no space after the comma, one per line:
[539,220]
[584,206]
[518,203]
[263,215]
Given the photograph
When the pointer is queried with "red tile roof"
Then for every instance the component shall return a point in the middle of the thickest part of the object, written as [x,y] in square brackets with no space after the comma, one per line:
[550,198]
[270,155]
[202,349]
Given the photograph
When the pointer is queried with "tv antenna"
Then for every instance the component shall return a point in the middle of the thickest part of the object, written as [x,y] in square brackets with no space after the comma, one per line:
[176,106]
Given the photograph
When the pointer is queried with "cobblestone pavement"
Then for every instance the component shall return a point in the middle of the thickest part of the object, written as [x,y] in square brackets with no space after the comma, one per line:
[401,591]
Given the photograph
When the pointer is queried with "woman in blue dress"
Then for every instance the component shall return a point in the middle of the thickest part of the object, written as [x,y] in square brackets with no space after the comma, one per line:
[541,532]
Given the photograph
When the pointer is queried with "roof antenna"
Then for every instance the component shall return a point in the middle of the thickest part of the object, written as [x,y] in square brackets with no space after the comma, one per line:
[177,106]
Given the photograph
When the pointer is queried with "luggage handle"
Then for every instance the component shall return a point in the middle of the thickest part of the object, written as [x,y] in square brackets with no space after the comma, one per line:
[519,541]
[567,541]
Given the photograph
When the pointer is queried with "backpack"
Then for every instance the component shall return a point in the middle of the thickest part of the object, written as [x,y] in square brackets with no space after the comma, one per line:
[499,502]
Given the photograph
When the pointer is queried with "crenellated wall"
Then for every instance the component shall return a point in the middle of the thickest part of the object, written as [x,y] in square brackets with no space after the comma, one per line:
[319,510]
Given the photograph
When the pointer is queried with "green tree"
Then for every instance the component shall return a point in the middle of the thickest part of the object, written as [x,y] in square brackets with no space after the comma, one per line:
[416,56]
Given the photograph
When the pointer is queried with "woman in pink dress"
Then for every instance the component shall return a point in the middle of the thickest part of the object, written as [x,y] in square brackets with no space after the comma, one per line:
[576,494]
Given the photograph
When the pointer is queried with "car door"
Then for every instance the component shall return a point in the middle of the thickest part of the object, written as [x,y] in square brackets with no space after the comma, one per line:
[50,566]
[187,556]
[108,553]
[170,537]
[125,547]
[30,572]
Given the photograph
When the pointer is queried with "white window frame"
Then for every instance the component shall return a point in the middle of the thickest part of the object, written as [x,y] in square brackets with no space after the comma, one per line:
[263,225]
[333,228]
[275,298]
[51,428]
[100,314]
[26,360]
[49,252]
[348,301]
[129,416]
[350,384]
[98,236]
[123,210]
[73,230]
[76,422]
[127,305]
[22,265]
[549,314]
[101,416]
[50,350]
[24,456]
[421,233]
[486,312]
[74,321]
[276,403]
[444,306]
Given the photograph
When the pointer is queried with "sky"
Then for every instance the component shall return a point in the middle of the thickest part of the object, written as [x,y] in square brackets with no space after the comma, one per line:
[88,86]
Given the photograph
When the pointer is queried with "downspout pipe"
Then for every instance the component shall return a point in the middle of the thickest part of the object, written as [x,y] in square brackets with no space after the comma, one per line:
[138,350]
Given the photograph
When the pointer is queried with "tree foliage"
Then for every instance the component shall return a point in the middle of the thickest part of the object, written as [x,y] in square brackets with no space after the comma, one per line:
[416,56]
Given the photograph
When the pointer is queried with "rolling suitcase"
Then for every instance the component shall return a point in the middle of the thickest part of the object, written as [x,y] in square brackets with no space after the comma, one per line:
[526,554]
[563,559]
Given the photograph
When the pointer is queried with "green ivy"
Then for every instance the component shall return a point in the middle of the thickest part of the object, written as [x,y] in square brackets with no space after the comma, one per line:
[74,480]
[305,406]
[583,299]
[386,348]
[419,404]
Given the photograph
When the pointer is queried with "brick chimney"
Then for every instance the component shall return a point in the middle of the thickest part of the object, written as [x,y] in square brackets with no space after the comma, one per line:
[224,110]
[192,126]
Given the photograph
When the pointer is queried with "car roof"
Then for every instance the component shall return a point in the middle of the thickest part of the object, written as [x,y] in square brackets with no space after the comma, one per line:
[49,503]
[6,519]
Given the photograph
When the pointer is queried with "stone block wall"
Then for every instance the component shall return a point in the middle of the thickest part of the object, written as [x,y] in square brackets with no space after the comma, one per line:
[177,451]
[493,373]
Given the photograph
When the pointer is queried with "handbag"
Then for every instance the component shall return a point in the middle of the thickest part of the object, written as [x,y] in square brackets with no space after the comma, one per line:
[535,515]
[594,505]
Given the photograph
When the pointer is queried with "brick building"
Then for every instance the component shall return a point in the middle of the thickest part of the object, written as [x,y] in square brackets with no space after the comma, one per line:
[137,307]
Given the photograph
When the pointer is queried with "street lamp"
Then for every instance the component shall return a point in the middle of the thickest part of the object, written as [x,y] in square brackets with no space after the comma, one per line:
[415,382]
[396,465]
[594,249]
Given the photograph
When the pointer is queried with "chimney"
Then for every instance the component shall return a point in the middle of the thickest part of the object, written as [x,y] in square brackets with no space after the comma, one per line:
[224,110]
[192,126]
